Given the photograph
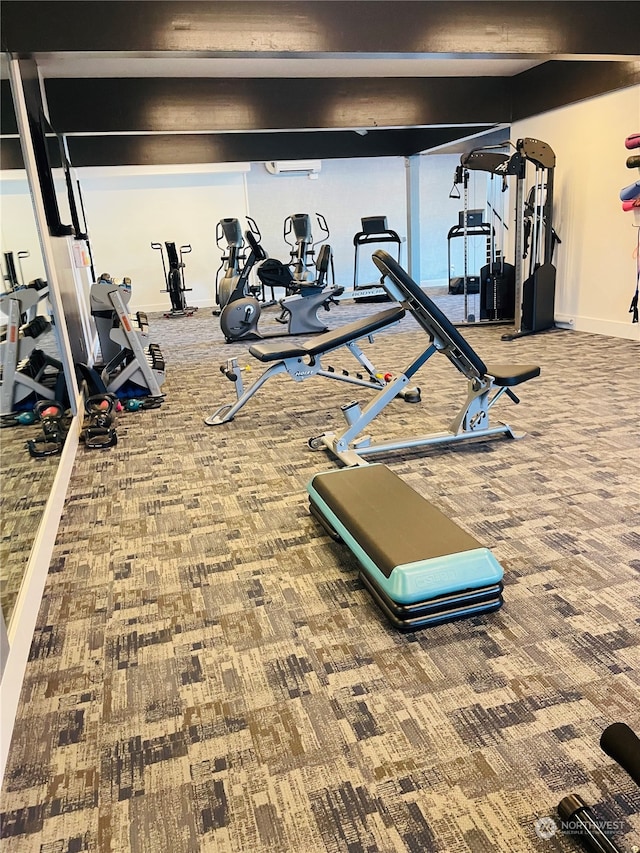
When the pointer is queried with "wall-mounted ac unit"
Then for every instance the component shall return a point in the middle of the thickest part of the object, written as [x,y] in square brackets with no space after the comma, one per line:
[293,167]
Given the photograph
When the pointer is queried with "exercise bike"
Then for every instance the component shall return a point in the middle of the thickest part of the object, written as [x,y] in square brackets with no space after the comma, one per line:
[174,279]
[239,319]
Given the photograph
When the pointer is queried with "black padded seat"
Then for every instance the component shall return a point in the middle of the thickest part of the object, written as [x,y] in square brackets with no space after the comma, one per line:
[440,328]
[508,375]
[352,331]
[275,351]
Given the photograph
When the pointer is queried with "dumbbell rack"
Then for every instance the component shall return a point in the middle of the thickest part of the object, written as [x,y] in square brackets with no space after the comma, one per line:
[22,373]
[138,361]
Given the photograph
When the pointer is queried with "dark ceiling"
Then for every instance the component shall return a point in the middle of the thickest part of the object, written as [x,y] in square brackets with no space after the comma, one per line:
[198,82]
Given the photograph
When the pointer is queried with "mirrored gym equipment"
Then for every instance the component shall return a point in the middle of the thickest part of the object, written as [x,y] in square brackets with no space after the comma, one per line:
[32,371]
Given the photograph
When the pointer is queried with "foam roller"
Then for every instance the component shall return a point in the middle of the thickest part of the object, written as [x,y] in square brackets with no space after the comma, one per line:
[632,141]
[630,192]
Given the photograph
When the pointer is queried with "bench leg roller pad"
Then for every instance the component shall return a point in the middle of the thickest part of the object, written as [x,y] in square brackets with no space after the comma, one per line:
[418,565]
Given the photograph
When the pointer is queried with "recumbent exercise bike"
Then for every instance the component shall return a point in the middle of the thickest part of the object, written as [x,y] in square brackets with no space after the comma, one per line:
[240,317]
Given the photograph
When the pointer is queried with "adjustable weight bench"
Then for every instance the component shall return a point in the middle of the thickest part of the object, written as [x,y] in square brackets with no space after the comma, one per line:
[486,383]
[301,361]
[418,565]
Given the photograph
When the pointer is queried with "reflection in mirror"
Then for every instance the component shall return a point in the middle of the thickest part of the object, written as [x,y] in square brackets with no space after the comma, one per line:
[31,372]
[478,287]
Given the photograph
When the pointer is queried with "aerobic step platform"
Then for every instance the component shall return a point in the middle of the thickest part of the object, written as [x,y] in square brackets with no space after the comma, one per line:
[418,565]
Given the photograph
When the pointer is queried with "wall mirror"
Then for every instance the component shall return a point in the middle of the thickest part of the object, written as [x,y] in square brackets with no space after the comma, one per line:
[25,482]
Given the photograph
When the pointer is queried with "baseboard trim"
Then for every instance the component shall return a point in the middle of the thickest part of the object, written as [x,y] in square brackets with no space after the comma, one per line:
[611,328]
[25,614]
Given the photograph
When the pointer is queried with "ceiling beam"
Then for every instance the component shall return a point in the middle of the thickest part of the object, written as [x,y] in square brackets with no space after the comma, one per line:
[192,149]
[316,27]
[170,149]
[557,84]
[240,119]
[191,105]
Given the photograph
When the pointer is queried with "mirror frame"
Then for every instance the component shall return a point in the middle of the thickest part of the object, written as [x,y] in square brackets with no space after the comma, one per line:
[15,639]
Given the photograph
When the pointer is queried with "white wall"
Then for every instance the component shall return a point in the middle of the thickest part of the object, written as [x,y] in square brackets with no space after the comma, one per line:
[128,209]
[596,269]
[343,192]
[347,190]
[17,225]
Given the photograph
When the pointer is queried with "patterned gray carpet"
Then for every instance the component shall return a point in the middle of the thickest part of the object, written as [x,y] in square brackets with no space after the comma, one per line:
[208,674]
[25,484]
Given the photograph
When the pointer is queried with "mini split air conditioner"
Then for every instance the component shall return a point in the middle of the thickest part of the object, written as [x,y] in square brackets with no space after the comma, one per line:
[294,167]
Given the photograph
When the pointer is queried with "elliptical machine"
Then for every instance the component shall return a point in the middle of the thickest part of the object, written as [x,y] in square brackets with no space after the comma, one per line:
[303,247]
[174,279]
[296,276]
[234,283]
[239,319]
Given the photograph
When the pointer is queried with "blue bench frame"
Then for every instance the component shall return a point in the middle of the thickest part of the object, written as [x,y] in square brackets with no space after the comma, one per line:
[486,383]
[303,360]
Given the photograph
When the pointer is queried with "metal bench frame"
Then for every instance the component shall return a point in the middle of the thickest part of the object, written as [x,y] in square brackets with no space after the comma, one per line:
[485,384]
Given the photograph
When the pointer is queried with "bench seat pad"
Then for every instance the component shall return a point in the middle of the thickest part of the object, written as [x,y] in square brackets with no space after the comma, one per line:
[508,375]
[276,350]
[411,549]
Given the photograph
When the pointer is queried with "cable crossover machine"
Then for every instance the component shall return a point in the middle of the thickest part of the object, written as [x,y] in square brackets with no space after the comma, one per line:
[535,237]
[494,282]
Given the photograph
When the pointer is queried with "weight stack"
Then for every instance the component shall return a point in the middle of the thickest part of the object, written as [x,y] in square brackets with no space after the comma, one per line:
[497,292]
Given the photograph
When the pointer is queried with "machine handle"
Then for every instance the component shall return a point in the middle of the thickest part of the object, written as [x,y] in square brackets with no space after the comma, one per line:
[253,227]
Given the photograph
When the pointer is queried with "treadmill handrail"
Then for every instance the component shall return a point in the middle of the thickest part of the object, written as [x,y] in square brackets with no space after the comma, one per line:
[387,236]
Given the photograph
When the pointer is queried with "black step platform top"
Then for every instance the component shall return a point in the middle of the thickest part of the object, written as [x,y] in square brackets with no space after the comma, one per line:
[392,523]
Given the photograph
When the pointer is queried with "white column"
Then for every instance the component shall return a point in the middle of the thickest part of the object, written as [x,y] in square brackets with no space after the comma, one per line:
[412,172]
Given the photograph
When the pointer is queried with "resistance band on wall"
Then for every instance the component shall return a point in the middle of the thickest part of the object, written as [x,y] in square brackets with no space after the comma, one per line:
[633,308]
[630,197]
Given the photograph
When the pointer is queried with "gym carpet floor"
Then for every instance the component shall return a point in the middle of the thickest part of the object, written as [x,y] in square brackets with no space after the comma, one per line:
[208,674]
